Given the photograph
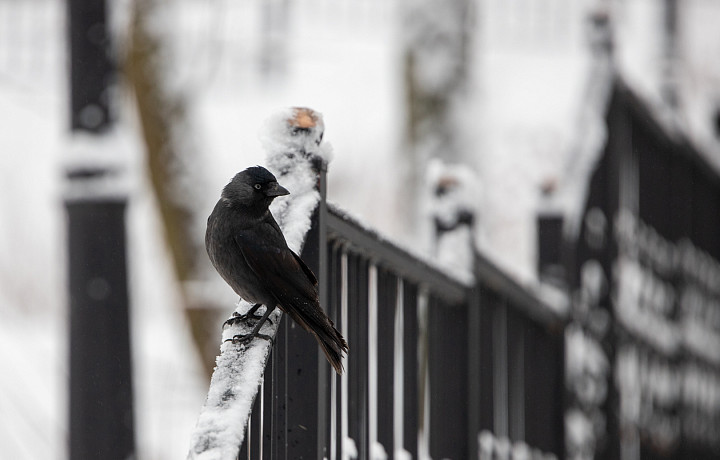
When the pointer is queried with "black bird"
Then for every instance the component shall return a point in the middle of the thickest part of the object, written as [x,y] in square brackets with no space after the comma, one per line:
[248,249]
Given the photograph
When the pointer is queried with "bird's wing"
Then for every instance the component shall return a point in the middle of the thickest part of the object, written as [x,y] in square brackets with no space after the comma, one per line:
[281,271]
[305,268]
[294,286]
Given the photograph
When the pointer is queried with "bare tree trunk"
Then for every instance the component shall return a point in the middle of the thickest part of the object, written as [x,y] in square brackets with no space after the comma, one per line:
[172,163]
[437,39]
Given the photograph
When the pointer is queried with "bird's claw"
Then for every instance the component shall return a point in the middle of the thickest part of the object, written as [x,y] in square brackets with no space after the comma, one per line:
[238,318]
[247,338]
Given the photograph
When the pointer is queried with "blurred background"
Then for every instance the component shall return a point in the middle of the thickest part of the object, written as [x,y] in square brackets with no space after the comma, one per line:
[515,91]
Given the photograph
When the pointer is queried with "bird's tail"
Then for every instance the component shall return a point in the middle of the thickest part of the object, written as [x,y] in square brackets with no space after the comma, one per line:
[333,345]
[315,321]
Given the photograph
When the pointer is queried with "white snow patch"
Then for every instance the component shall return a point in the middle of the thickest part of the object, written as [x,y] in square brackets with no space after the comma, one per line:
[349,448]
[452,204]
[377,451]
[107,155]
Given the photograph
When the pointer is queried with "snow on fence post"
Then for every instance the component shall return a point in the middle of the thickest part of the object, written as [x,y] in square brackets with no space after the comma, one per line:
[295,154]
[453,203]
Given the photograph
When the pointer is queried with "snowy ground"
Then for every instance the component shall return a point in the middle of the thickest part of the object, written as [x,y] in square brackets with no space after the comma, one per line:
[340,58]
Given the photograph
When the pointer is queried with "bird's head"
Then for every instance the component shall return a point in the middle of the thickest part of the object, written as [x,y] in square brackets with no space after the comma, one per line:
[254,187]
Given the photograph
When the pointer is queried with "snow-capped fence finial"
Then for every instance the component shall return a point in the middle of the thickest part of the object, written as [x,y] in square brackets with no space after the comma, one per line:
[453,203]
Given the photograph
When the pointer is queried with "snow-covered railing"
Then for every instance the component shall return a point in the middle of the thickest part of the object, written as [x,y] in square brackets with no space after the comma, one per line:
[434,360]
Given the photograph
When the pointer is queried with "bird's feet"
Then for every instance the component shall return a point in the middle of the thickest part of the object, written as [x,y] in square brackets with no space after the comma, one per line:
[247,338]
[250,315]
[238,318]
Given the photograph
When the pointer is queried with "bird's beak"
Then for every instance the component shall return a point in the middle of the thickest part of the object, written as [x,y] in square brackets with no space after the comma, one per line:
[277,190]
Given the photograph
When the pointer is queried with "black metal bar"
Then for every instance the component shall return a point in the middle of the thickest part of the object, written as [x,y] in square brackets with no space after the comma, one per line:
[550,248]
[543,389]
[90,66]
[620,193]
[486,369]
[280,382]
[399,261]
[334,311]
[355,361]
[411,394]
[358,424]
[447,336]
[516,375]
[474,372]
[101,402]
[387,286]
[306,371]
[518,297]
[101,396]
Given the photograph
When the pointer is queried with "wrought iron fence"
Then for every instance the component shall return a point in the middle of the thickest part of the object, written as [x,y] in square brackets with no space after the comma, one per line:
[433,362]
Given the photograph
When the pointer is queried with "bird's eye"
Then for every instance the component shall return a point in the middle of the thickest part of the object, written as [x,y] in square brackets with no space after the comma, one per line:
[258,186]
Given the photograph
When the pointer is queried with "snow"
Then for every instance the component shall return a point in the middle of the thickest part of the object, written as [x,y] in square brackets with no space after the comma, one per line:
[239,369]
[580,437]
[491,447]
[105,157]
[349,448]
[377,452]
[290,157]
[453,191]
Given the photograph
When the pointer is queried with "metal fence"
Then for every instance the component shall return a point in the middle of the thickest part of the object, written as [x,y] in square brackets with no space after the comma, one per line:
[433,363]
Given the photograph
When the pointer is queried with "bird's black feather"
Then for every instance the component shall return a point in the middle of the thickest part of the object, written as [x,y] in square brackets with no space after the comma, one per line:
[247,247]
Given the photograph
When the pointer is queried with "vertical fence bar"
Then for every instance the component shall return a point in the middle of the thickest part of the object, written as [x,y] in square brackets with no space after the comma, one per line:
[345,380]
[423,375]
[364,383]
[487,352]
[387,297]
[355,401]
[500,372]
[261,422]
[101,416]
[305,366]
[448,376]
[516,374]
[474,374]
[269,406]
[399,370]
[544,377]
[300,383]
[279,404]
[100,364]
[372,370]
[335,309]
[411,397]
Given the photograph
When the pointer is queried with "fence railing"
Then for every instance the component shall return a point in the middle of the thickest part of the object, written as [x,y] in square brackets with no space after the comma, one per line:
[433,362]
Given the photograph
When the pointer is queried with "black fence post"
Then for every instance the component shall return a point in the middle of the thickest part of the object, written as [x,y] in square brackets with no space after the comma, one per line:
[101,401]
[301,379]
